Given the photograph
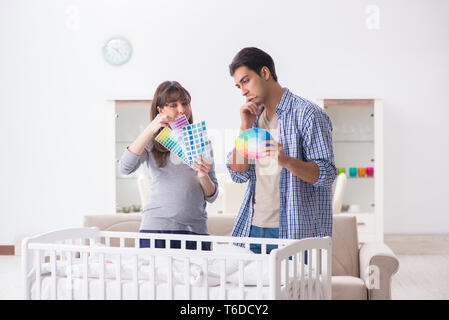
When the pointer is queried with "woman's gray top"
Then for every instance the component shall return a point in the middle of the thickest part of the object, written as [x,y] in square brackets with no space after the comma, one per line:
[177,201]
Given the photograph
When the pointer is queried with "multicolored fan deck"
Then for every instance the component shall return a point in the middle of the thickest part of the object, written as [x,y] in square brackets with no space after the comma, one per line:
[179,123]
[252,143]
[196,142]
[177,126]
[169,140]
[187,141]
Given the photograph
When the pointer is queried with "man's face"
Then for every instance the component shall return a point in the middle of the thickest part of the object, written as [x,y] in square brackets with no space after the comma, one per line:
[253,86]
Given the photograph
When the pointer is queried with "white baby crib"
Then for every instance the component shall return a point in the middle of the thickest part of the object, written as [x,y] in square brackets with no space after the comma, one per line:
[81,263]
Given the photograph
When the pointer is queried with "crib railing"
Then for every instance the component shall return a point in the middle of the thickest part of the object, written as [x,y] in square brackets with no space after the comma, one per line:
[294,278]
[289,276]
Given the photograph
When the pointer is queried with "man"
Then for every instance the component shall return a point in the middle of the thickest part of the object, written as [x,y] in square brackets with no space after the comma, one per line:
[292,198]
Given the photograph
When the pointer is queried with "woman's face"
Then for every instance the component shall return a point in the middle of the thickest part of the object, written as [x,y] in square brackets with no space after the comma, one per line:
[176,109]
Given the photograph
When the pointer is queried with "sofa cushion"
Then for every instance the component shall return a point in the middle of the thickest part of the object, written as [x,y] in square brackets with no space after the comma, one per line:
[218,225]
[345,248]
[114,222]
[348,288]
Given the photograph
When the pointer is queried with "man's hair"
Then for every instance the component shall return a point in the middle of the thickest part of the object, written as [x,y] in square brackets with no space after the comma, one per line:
[254,59]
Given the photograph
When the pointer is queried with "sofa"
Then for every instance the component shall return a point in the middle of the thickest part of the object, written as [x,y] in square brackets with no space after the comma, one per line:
[358,272]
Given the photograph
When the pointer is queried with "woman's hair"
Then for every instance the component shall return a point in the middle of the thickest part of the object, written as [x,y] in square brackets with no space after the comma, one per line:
[166,92]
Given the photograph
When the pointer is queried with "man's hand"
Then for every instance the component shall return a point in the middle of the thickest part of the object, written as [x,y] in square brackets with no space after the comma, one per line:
[275,150]
[307,171]
[248,113]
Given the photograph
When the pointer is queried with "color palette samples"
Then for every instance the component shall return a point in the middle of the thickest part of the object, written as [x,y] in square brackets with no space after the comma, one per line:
[196,142]
[179,123]
[169,140]
[187,141]
[177,126]
[252,143]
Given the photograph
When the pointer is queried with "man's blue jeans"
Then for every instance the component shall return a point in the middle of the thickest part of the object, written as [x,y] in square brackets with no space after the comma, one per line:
[174,244]
[258,232]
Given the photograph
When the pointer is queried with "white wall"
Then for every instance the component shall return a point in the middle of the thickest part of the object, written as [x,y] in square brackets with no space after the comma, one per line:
[55,165]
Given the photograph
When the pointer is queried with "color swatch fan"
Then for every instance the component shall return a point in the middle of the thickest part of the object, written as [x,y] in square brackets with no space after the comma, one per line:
[252,143]
[179,123]
[196,142]
[177,126]
[169,140]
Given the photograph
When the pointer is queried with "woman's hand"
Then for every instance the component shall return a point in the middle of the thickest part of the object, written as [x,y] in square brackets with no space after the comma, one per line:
[202,166]
[160,121]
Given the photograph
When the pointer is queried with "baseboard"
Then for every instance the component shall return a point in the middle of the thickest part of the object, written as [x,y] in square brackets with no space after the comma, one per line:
[7,250]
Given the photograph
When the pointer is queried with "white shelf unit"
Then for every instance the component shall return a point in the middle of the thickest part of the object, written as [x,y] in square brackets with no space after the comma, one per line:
[358,143]
[131,116]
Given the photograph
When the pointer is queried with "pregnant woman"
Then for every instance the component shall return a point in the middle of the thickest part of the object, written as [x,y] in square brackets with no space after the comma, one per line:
[178,194]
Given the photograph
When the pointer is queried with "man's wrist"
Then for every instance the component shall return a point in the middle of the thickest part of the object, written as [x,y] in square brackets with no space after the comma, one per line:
[286,162]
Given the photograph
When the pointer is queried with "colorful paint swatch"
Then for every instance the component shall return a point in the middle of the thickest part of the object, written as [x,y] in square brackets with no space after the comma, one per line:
[179,123]
[252,143]
[196,142]
[169,140]
[177,126]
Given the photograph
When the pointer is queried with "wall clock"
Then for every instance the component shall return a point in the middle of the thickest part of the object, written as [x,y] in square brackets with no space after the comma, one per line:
[117,51]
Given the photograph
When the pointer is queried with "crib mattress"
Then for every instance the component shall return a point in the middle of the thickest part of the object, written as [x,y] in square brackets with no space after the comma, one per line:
[146,291]
[161,291]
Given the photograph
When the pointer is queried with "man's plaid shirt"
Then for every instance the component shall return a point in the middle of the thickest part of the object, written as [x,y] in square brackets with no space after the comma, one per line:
[305,132]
